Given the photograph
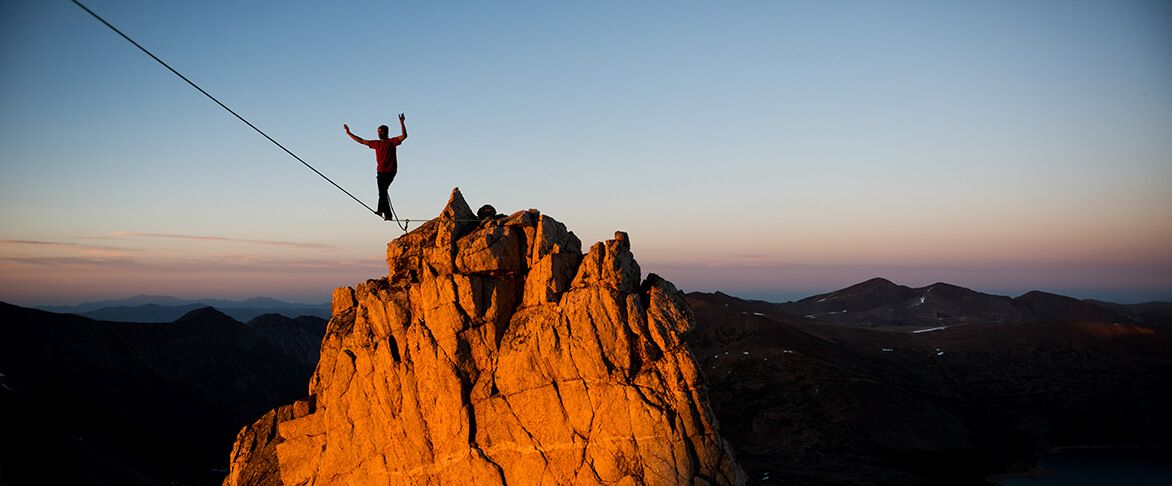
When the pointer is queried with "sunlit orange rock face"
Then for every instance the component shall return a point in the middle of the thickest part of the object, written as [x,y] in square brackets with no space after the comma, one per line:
[495,352]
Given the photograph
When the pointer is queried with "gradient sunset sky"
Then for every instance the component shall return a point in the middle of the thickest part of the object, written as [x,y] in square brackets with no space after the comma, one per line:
[770,150]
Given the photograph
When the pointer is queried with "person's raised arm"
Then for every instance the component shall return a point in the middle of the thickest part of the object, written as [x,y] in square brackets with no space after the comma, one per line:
[403,125]
[355,137]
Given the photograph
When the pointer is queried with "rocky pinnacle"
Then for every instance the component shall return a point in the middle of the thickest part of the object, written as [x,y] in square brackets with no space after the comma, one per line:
[495,352]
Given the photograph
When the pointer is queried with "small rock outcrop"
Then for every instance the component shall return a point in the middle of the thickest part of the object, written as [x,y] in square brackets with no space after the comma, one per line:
[495,352]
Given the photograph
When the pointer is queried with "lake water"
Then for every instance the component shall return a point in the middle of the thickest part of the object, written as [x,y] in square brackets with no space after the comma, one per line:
[1135,467]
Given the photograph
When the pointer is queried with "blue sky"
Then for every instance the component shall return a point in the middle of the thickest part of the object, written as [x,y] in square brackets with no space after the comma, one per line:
[768,149]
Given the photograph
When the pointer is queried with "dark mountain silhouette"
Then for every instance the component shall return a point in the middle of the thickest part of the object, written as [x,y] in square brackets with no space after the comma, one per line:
[160,313]
[142,313]
[858,297]
[805,401]
[879,302]
[1060,307]
[141,299]
[161,308]
[95,402]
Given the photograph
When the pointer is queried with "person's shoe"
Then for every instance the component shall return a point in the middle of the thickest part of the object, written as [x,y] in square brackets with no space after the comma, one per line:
[387,217]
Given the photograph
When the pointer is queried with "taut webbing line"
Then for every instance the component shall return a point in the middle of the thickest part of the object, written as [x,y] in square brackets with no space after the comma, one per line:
[213,98]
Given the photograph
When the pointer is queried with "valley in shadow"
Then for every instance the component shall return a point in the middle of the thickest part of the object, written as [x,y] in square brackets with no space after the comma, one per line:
[97,402]
[807,401]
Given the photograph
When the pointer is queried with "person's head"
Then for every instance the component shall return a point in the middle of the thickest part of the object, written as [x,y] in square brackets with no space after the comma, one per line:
[383,131]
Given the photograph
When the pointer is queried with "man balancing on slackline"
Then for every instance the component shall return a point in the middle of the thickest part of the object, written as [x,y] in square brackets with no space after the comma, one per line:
[388,165]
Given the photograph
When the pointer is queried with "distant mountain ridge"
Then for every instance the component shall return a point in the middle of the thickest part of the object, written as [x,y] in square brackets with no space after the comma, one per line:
[881,302]
[163,308]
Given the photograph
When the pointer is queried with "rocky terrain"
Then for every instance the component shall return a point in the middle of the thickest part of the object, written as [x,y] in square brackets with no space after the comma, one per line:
[806,401]
[95,402]
[495,352]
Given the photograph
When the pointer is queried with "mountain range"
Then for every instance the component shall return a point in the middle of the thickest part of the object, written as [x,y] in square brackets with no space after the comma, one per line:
[876,383]
[880,302]
[875,302]
[162,308]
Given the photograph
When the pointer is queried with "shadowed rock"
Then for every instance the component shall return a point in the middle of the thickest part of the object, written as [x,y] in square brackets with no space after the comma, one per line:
[494,353]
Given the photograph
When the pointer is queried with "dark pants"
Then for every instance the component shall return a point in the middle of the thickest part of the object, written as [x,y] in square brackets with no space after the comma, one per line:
[384,182]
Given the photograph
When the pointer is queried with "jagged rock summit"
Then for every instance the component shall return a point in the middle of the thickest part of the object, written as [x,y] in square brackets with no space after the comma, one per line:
[494,352]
